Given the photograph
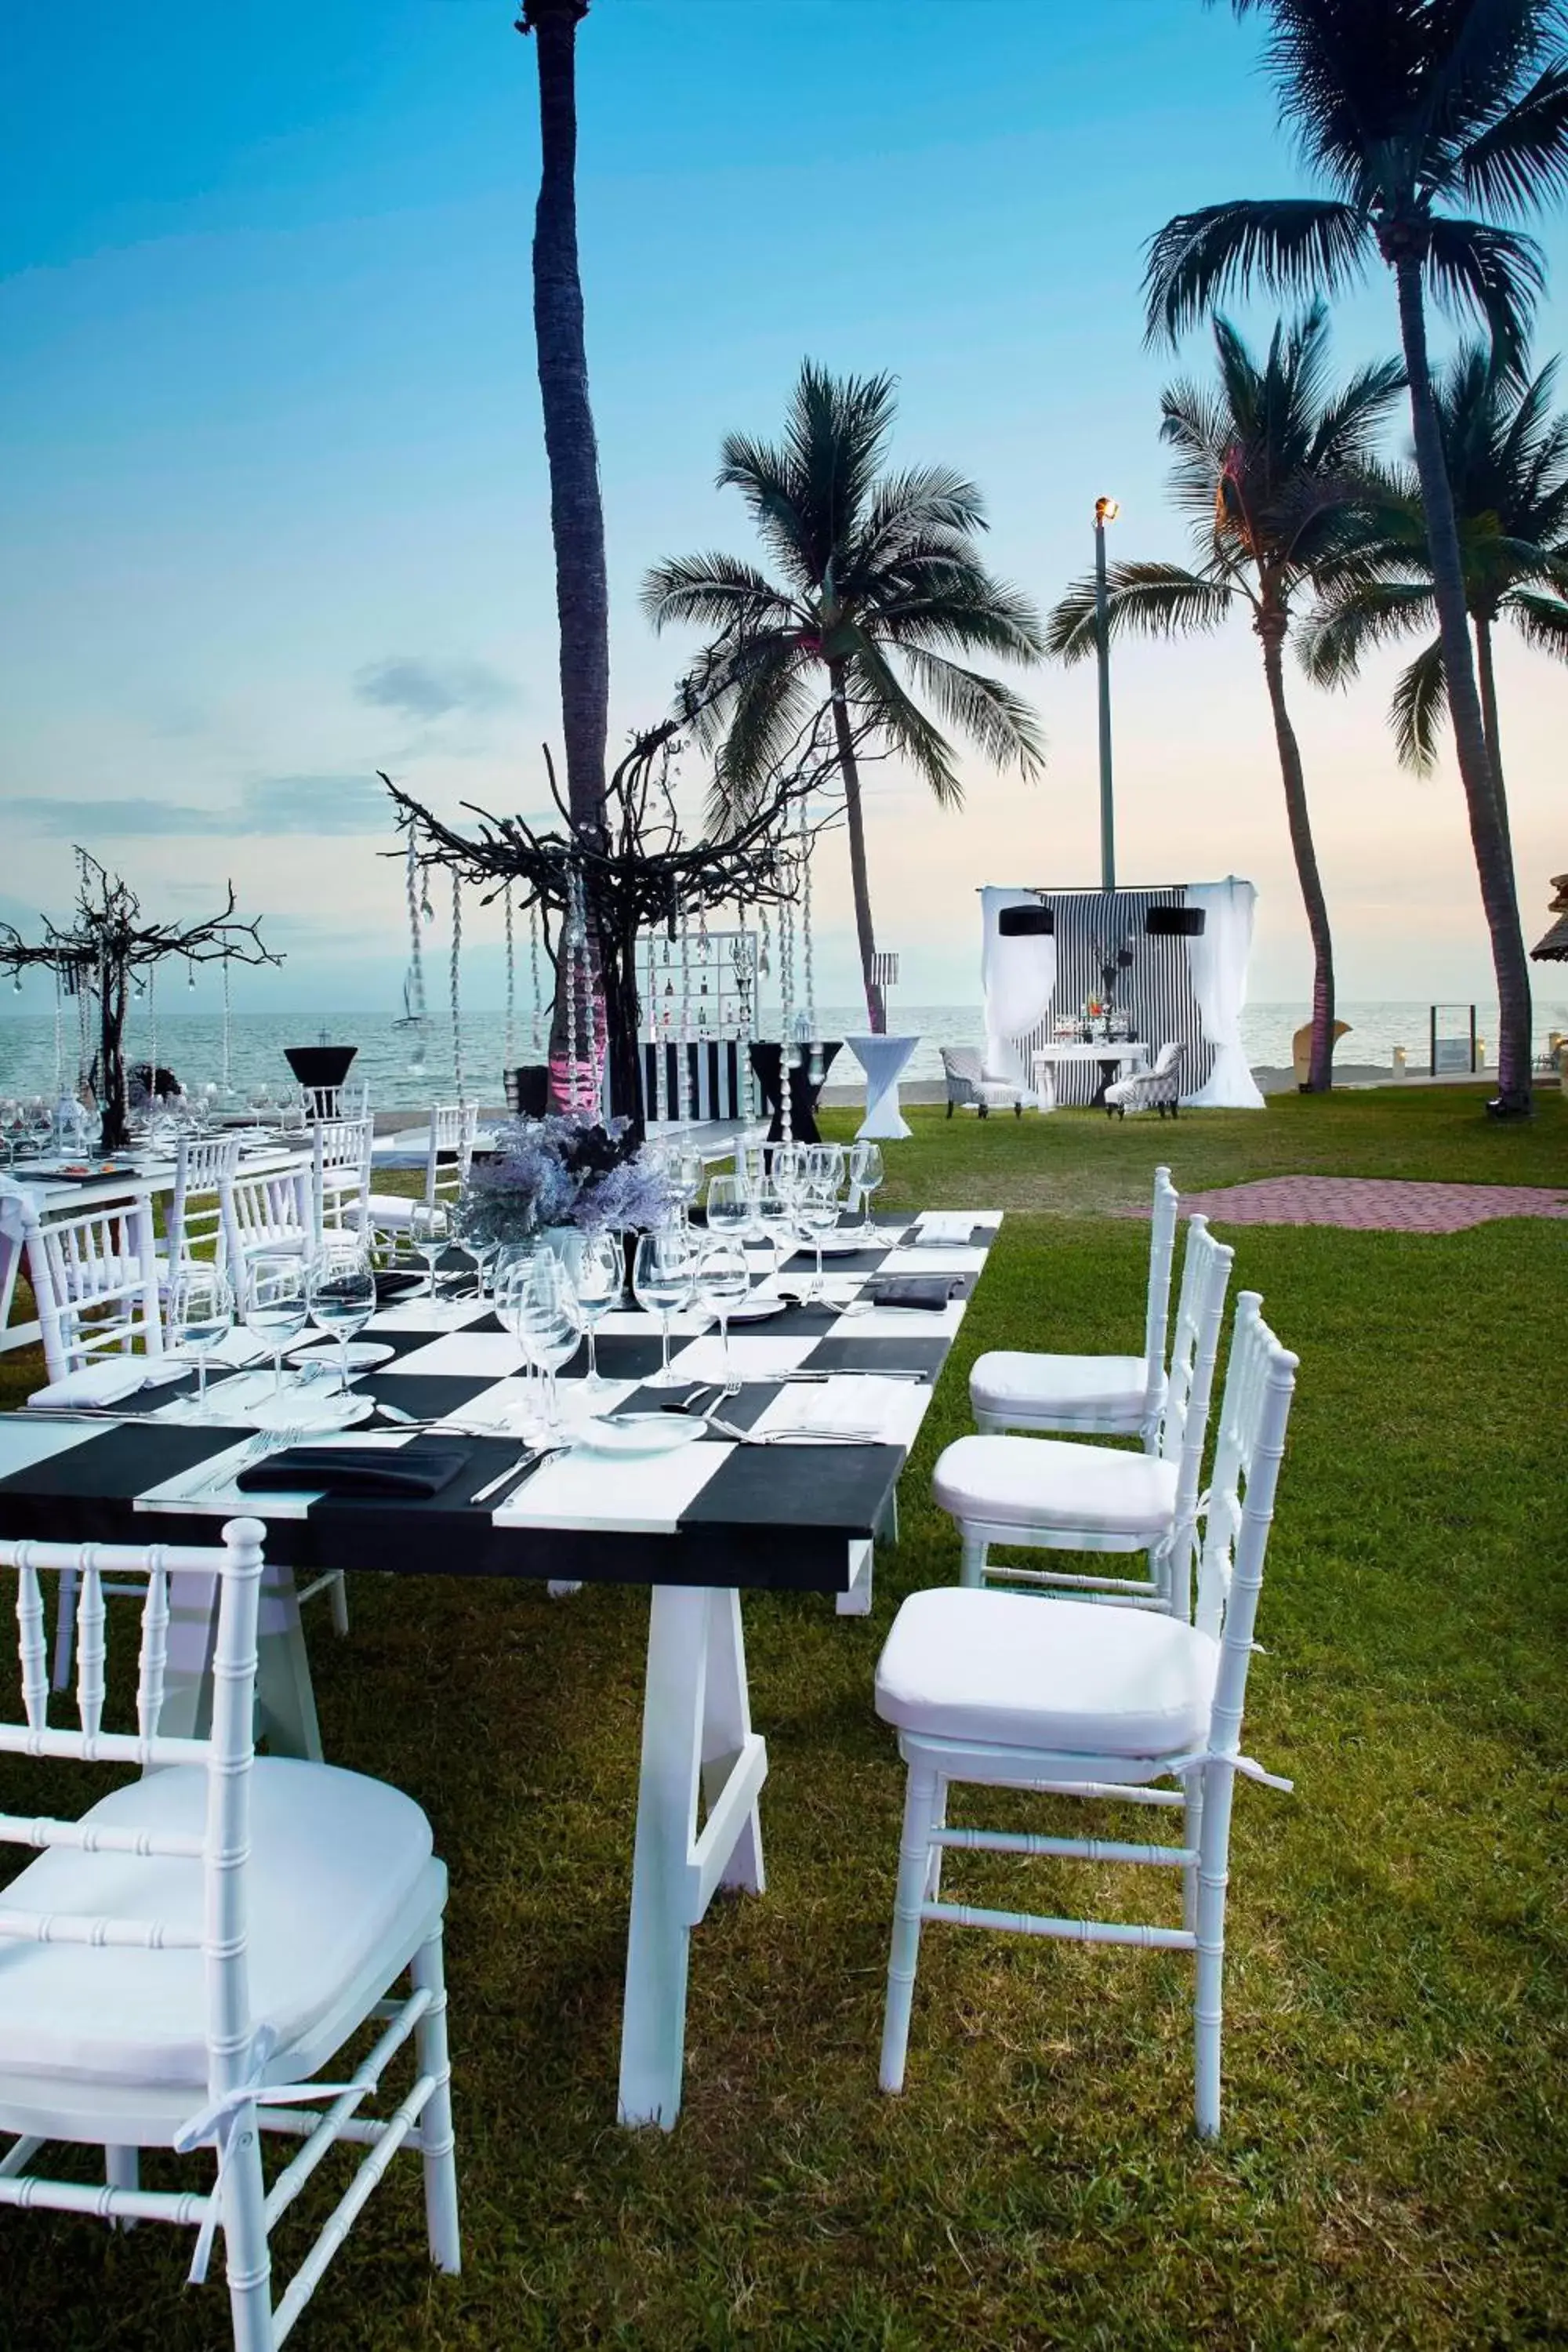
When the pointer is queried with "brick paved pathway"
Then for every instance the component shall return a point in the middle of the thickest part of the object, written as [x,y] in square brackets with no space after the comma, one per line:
[1372,1203]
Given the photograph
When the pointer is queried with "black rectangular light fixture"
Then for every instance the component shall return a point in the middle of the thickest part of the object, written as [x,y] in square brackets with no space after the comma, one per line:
[1025,923]
[1175,922]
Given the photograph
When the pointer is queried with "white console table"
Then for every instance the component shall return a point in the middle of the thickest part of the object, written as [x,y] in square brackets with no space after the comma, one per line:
[1124,1055]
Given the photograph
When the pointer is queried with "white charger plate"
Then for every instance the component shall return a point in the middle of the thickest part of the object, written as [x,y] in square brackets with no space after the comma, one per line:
[639,1432]
[312,1414]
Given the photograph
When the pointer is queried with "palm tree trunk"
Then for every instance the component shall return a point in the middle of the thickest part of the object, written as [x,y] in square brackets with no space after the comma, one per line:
[859,882]
[1488,836]
[1487,679]
[576,515]
[1320,1069]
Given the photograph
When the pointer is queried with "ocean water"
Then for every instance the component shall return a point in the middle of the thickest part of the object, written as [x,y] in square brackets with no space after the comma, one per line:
[192,1045]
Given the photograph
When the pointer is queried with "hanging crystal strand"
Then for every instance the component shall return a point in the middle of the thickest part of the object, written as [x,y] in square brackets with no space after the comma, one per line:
[650,1006]
[226,1022]
[511,982]
[152,1034]
[813,1067]
[59,1042]
[535,1037]
[787,1016]
[83,1030]
[687,1101]
[457,1020]
[569,944]
[415,953]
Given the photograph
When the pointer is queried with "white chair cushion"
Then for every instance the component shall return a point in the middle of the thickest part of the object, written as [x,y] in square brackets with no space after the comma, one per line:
[1006,1381]
[1042,1482]
[1018,1671]
[390,1208]
[336,1862]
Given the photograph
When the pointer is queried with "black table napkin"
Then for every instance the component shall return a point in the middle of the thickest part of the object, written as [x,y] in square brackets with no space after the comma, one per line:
[930,1292]
[389,1286]
[357,1469]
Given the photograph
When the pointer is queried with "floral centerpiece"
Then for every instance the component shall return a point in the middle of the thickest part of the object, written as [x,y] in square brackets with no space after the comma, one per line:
[560,1170]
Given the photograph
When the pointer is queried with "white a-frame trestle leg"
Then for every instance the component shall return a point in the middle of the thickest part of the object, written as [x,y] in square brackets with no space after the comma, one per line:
[697,1738]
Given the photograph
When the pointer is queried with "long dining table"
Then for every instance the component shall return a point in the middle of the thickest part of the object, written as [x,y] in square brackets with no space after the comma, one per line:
[792,1496]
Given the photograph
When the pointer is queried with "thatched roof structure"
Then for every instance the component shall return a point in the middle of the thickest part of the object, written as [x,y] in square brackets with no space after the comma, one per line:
[1554,948]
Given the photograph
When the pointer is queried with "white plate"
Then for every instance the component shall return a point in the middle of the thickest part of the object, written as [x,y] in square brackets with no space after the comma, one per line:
[639,1432]
[756,1309]
[363,1353]
[844,1245]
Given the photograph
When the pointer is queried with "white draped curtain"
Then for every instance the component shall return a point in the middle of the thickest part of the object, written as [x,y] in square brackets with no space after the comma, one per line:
[1217,963]
[1019,977]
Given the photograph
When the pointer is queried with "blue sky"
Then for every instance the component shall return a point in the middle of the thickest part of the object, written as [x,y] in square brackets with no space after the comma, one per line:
[274,512]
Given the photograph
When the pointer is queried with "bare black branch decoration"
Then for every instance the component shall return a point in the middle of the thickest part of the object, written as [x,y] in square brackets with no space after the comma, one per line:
[107,944]
[636,872]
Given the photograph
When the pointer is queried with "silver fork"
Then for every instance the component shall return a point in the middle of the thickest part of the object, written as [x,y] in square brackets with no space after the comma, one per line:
[255,1449]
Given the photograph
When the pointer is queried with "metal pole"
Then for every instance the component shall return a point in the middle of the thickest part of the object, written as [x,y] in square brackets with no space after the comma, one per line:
[1104,509]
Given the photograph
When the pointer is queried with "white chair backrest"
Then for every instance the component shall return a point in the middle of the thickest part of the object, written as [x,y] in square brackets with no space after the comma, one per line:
[95,1278]
[1200,1314]
[961,1061]
[351,1101]
[340,1176]
[1255,1407]
[260,1212]
[1165,1060]
[227,1755]
[196,1212]
[453,1126]
[1157,1313]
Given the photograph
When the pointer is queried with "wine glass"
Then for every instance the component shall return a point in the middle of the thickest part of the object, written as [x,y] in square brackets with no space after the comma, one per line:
[776,1221]
[471,1230]
[816,1215]
[600,1274]
[729,1207]
[341,1294]
[201,1314]
[661,1282]
[276,1309]
[429,1231]
[866,1173]
[723,1280]
[824,1164]
[789,1169]
[548,1324]
[684,1177]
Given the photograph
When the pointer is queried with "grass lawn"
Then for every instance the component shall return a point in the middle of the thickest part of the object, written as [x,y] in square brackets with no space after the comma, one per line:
[1395,2159]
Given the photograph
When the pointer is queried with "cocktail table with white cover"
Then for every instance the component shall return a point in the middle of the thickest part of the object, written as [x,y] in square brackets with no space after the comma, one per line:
[700,1527]
[883,1060]
[1046,1060]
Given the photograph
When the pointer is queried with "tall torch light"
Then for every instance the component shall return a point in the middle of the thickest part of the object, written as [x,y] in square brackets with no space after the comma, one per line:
[1105,512]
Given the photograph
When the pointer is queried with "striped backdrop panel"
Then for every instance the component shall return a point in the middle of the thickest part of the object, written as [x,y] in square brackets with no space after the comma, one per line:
[1156,993]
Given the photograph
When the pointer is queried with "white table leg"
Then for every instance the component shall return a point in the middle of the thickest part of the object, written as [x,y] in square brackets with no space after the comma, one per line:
[857,1600]
[286,1705]
[697,1733]
[1045,1085]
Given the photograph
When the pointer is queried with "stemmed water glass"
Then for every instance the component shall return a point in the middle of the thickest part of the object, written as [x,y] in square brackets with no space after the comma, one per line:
[341,1294]
[662,1276]
[866,1173]
[774,1217]
[816,1215]
[547,1321]
[202,1314]
[684,1173]
[723,1280]
[429,1231]
[789,1169]
[730,1212]
[600,1273]
[470,1231]
[276,1309]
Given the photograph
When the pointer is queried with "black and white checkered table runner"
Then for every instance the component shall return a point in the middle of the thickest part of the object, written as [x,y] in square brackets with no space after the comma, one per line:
[714,1512]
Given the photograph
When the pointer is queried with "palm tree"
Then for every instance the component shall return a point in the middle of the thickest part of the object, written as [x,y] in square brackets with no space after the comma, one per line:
[879,585]
[1404,106]
[1506,457]
[576,515]
[1272,464]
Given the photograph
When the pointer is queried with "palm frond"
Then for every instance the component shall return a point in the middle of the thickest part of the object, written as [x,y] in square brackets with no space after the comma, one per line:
[1296,245]
[877,688]
[1417,709]
[1154,599]
[1521,156]
[1491,274]
[717,591]
[999,722]
[1542,620]
[967,610]
[1354,619]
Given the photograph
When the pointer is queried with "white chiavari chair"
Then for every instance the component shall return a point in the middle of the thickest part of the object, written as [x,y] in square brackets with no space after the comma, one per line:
[448,1157]
[1100,1396]
[194,1225]
[351,1101]
[340,1175]
[1052,1494]
[95,1276]
[182,1964]
[1075,1701]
